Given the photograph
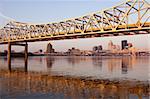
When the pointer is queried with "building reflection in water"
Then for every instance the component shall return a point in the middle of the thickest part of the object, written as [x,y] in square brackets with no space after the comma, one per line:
[113,64]
[50,61]
[73,60]
[97,62]
[16,63]
[127,63]
[102,65]
[19,85]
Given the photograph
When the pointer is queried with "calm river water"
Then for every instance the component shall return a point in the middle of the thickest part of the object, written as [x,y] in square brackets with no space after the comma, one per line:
[75,77]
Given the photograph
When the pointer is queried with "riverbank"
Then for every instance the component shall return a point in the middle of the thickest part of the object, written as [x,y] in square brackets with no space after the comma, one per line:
[21,54]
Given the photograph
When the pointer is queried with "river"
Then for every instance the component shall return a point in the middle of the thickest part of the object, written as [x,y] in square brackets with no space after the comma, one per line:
[75,77]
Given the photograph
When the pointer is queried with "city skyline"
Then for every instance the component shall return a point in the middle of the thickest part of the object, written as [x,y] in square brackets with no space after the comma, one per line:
[83,44]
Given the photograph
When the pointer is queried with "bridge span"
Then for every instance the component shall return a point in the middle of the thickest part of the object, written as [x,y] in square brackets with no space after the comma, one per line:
[128,18]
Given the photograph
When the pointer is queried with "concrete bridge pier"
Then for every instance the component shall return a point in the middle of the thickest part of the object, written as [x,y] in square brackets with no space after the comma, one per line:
[25,55]
[9,56]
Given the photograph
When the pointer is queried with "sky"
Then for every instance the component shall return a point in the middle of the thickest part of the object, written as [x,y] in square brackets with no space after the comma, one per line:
[47,11]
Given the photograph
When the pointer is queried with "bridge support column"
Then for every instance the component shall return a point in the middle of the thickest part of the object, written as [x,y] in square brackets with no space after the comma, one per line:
[9,56]
[25,55]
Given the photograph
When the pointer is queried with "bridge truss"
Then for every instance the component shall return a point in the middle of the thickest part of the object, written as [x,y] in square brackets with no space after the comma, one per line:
[128,18]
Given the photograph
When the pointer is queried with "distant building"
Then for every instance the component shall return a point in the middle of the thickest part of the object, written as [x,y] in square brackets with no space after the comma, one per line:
[74,51]
[40,50]
[86,52]
[50,48]
[124,44]
[130,45]
[118,47]
[110,45]
[100,48]
[97,48]
[132,51]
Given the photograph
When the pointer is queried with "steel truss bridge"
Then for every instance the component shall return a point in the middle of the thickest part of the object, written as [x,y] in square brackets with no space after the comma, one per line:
[128,18]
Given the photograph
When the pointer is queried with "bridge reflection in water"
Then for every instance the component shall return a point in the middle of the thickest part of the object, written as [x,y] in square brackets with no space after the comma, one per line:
[22,84]
[18,84]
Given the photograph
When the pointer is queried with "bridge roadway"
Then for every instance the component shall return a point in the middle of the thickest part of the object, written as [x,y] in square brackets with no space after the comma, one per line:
[128,18]
[95,33]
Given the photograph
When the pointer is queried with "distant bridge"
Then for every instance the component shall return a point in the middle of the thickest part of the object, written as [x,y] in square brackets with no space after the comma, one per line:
[129,18]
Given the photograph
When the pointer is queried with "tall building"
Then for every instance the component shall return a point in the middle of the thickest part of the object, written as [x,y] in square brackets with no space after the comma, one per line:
[95,48]
[98,48]
[117,47]
[110,45]
[50,48]
[124,44]
[74,51]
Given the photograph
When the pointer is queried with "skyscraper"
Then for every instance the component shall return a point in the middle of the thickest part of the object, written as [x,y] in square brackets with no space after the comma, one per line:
[124,44]
[110,45]
[100,47]
[50,48]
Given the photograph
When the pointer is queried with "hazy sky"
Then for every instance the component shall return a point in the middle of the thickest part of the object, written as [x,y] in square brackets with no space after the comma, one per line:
[44,11]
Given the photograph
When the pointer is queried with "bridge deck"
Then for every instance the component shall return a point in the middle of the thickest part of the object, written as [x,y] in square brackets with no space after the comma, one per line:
[95,32]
